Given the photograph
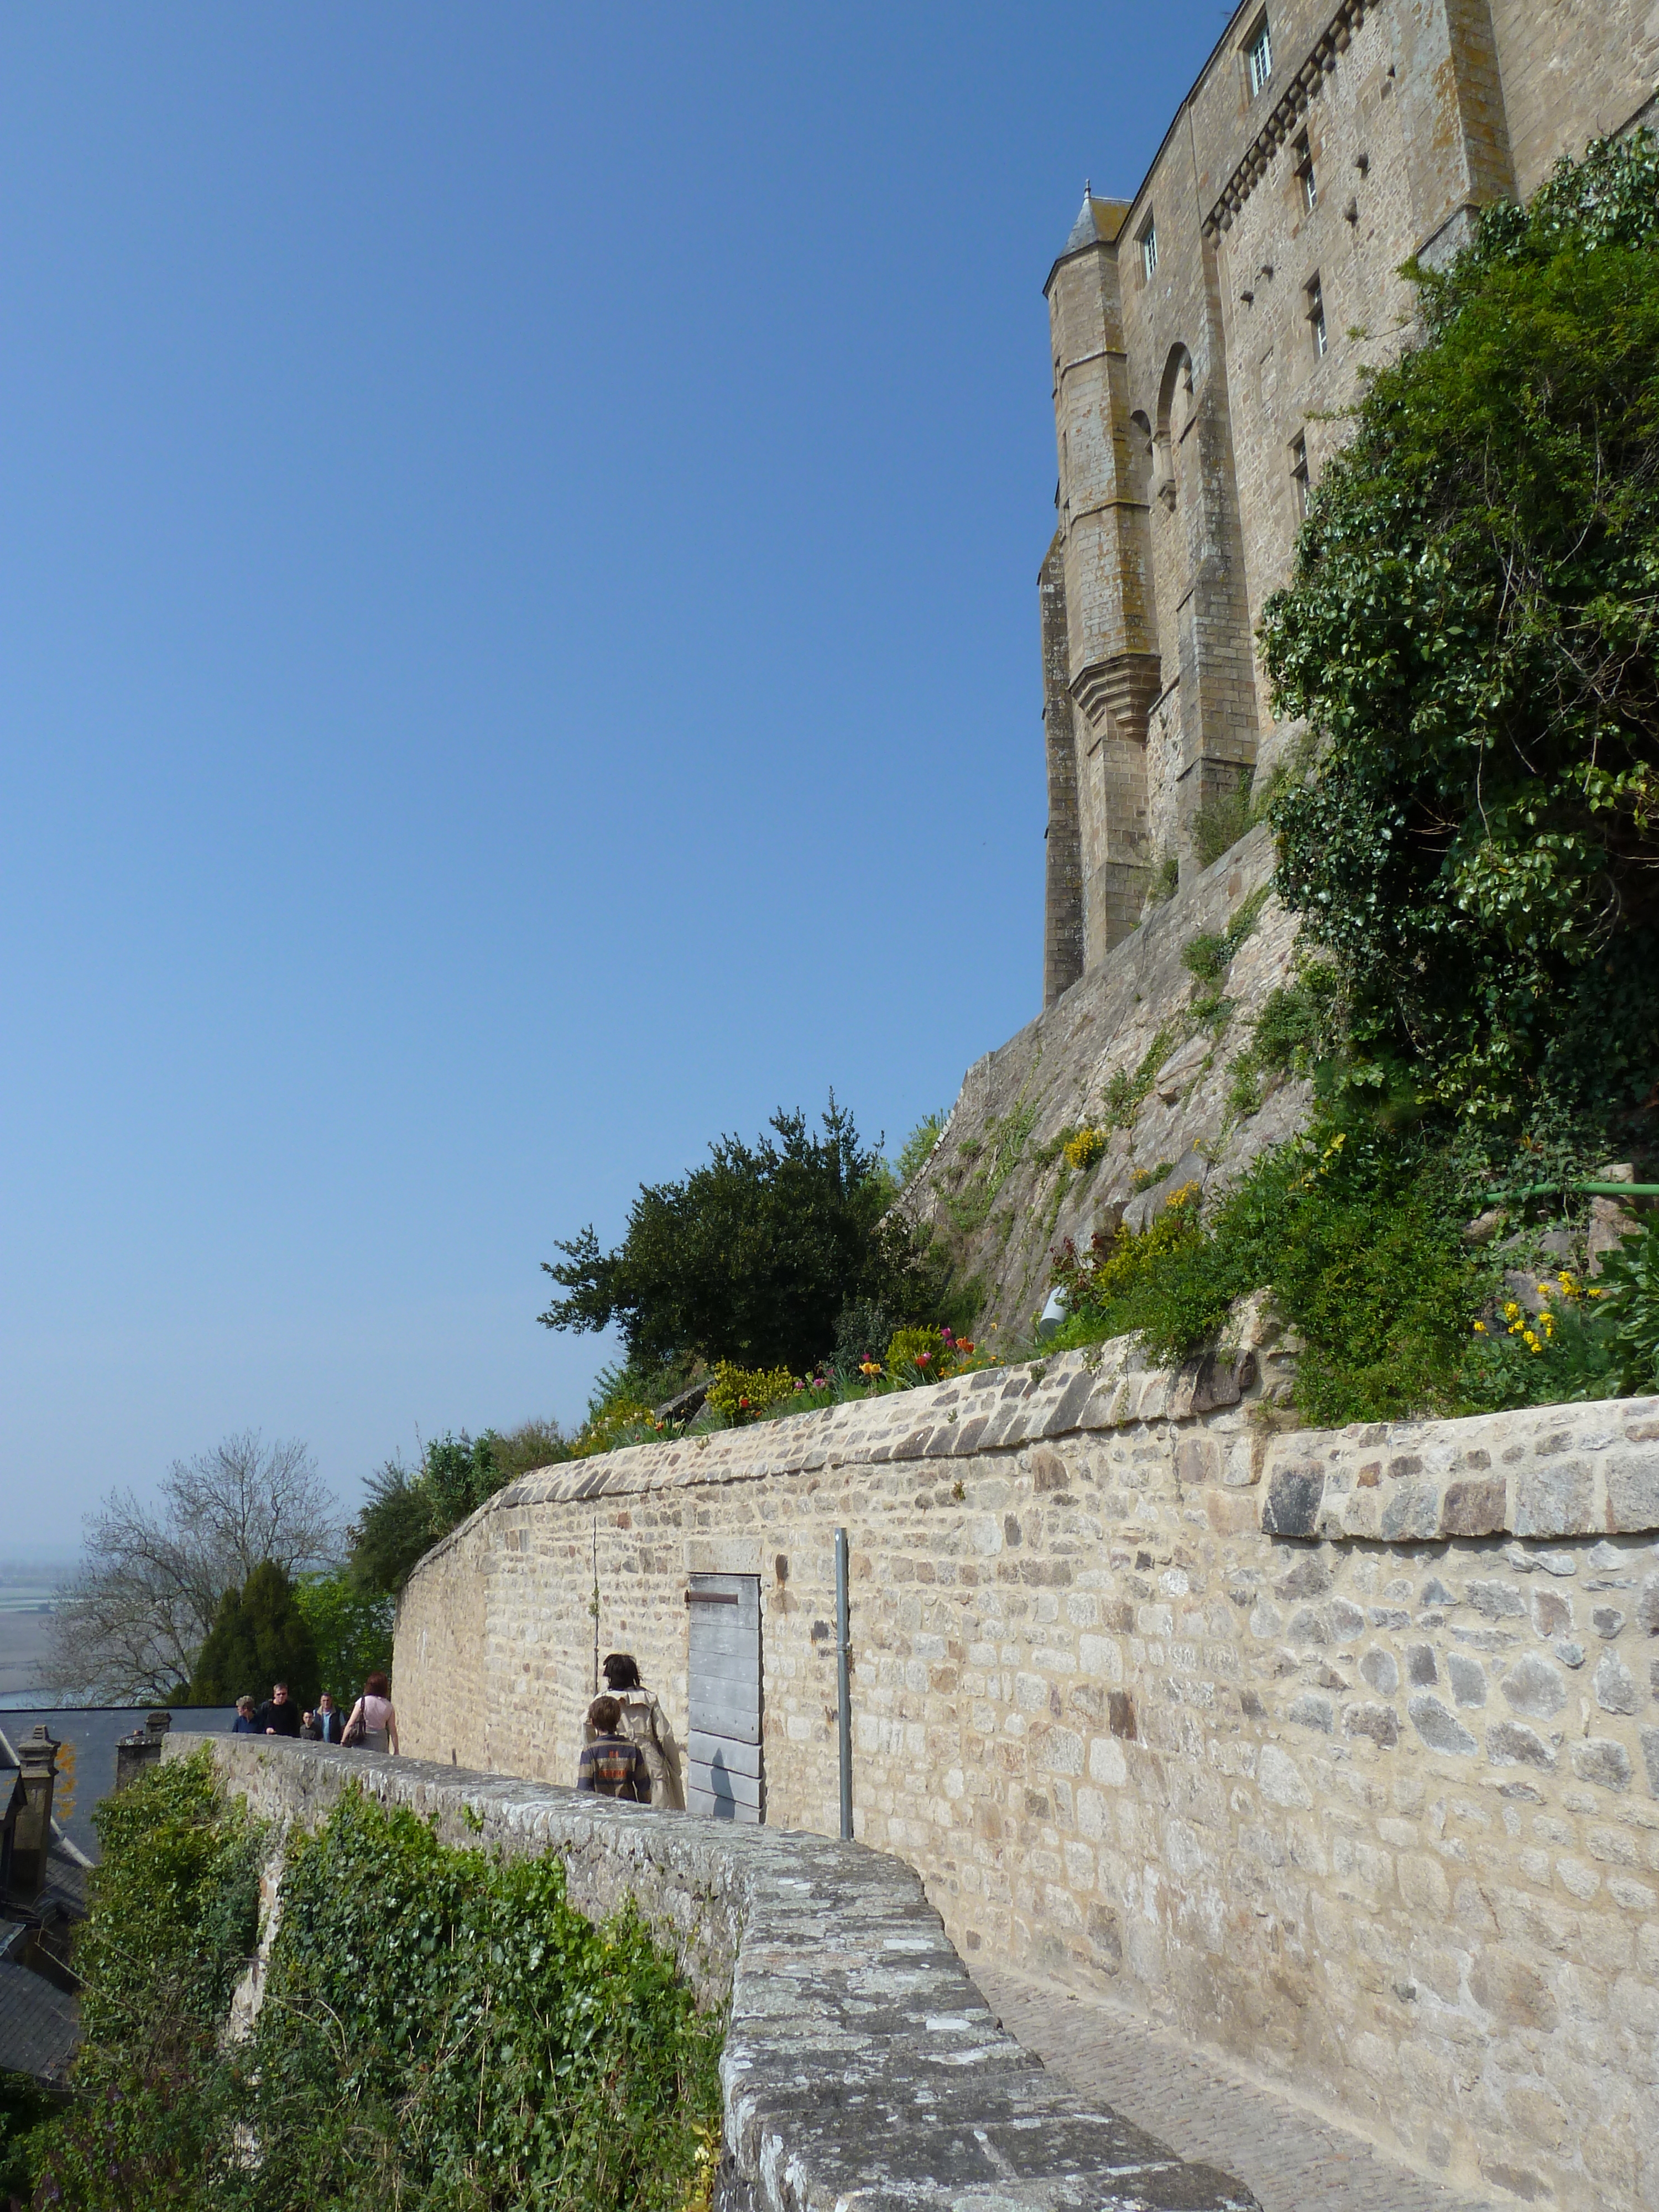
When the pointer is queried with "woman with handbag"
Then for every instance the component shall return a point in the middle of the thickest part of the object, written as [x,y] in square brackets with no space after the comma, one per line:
[373,1722]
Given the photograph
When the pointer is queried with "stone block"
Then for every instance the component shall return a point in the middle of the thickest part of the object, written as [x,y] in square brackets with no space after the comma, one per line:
[1475,1508]
[1439,1727]
[1615,1686]
[1511,1743]
[1532,1685]
[1632,1481]
[1291,1504]
[1603,1762]
[1555,1497]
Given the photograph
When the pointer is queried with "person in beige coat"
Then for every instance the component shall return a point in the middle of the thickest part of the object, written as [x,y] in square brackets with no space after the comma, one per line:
[645,1723]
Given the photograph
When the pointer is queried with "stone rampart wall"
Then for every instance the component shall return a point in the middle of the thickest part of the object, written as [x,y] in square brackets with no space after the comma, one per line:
[860,2061]
[1341,1752]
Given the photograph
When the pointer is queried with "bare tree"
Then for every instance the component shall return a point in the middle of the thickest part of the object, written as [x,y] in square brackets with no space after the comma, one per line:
[130,1625]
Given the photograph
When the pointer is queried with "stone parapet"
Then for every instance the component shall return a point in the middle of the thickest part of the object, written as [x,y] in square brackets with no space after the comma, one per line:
[1547,1472]
[861,2065]
[1155,1709]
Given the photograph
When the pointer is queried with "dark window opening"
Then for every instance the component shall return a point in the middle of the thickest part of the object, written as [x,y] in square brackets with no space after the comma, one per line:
[1316,319]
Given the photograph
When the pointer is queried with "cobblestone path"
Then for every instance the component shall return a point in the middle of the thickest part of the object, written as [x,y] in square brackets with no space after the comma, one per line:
[1293,2159]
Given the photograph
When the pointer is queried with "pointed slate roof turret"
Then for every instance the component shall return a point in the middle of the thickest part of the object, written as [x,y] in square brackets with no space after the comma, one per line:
[1098,223]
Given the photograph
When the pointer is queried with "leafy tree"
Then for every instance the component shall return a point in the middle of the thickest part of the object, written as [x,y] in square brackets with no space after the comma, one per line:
[408,1509]
[351,1627]
[751,1258]
[259,1637]
[1471,633]
[130,1627]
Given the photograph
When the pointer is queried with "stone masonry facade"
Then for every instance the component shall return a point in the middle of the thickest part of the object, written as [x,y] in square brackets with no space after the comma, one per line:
[1339,1752]
[1205,335]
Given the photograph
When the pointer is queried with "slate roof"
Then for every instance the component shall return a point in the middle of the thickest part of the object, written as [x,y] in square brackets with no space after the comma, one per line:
[39,2024]
[1098,223]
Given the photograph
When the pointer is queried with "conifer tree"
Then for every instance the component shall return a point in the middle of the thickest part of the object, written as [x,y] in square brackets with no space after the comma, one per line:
[258,1637]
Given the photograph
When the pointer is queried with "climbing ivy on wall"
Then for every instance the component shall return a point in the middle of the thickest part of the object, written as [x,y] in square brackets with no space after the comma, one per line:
[440,2028]
[1471,633]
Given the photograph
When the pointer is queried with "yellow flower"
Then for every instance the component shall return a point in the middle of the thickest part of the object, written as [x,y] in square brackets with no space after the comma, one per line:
[1480,1328]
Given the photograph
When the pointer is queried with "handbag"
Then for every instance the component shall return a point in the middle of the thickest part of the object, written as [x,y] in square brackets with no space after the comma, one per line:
[356,1728]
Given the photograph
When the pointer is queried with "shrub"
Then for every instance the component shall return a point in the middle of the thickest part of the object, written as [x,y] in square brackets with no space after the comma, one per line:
[1300,1022]
[351,1627]
[1555,1356]
[751,1258]
[1356,1233]
[440,2027]
[1101,1288]
[1083,1149]
[1219,823]
[918,1147]
[1165,880]
[472,2041]
[744,1394]
[407,1510]
[863,1326]
[1630,1313]
[173,1914]
[930,1355]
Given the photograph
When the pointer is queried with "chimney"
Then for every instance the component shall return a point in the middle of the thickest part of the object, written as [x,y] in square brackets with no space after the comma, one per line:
[141,1749]
[37,1755]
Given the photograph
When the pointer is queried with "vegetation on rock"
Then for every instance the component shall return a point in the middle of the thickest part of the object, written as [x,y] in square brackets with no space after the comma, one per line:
[1471,631]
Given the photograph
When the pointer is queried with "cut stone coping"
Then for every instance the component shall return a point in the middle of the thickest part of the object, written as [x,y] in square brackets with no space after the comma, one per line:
[862,2069]
[1544,1472]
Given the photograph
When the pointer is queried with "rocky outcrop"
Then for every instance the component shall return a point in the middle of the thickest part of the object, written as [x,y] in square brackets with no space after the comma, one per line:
[1141,1049]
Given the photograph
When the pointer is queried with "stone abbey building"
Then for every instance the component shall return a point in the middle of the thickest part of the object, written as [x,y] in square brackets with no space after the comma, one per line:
[1206,333]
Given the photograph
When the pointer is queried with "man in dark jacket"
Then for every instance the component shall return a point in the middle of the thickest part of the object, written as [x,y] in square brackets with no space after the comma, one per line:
[279,1715]
[328,1720]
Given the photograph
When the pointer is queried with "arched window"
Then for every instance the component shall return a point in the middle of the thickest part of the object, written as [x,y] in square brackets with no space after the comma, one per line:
[1175,410]
[1139,458]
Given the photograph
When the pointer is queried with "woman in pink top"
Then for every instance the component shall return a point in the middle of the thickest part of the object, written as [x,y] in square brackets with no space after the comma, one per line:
[373,1722]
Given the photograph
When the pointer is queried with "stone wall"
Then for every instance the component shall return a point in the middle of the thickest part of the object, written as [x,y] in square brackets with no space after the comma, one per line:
[860,2061]
[1339,1752]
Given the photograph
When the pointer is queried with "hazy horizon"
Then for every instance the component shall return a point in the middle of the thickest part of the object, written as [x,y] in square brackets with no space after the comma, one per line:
[520,618]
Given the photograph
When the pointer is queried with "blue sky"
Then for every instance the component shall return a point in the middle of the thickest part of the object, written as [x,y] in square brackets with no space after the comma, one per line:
[520,653]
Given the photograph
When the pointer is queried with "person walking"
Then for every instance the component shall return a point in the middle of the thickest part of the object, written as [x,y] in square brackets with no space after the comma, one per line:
[612,1765]
[309,1731]
[645,1725]
[244,1723]
[279,1715]
[329,1719]
[373,1722]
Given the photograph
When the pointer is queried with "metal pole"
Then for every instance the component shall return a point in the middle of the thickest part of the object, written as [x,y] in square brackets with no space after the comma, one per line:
[843,1647]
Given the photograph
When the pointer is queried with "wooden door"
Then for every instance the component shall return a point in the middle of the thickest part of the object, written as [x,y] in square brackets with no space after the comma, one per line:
[724,1777]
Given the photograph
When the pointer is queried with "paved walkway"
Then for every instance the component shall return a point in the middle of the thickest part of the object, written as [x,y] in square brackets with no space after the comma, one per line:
[1294,2160]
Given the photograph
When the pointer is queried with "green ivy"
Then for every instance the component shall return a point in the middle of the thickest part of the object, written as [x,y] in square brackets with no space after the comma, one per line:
[1471,632]
[440,2028]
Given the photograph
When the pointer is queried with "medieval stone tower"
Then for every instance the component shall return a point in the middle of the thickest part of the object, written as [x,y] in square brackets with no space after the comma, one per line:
[1204,337]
